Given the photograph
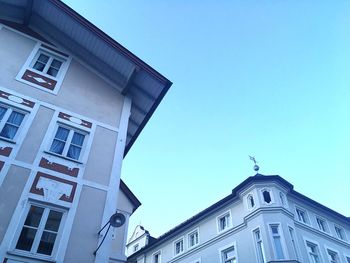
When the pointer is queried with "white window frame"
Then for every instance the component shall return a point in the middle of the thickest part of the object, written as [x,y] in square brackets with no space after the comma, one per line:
[227,247]
[249,206]
[183,246]
[51,56]
[293,237]
[319,218]
[281,237]
[271,196]
[228,223]
[159,253]
[4,120]
[43,220]
[31,61]
[336,253]
[259,245]
[317,245]
[68,142]
[307,220]
[342,232]
[189,238]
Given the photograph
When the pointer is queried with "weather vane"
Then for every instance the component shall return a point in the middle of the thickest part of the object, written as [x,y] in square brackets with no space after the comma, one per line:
[256,167]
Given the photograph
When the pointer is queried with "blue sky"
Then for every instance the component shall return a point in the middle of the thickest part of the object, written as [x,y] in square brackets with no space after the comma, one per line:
[263,78]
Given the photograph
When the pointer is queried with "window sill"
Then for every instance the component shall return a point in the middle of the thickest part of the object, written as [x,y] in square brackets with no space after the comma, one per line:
[31,256]
[7,140]
[63,157]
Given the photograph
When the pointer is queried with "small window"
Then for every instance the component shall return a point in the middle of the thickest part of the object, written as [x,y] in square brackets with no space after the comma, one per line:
[259,246]
[251,202]
[292,237]
[229,255]
[10,122]
[339,232]
[47,63]
[193,238]
[301,215]
[136,247]
[68,142]
[313,252]
[179,247]
[277,241]
[332,256]
[282,198]
[267,196]
[224,221]
[321,223]
[156,257]
[39,234]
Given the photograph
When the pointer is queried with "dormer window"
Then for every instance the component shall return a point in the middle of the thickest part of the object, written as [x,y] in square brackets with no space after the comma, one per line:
[45,68]
[251,202]
[267,196]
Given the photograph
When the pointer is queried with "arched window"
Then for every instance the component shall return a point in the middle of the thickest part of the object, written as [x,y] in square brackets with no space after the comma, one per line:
[283,200]
[267,196]
[251,202]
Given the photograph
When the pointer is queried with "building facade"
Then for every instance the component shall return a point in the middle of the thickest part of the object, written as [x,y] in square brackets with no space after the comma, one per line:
[263,220]
[72,103]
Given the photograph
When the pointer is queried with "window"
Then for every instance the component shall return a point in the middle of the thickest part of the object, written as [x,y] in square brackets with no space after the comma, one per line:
[277,241]
[282,198]
[47,63]
[136,247]
[332,256]
[179,246]
[340,232]
[347,259]
[68,142]
[224,221]
[10,121]
[259,246]
[267,196]
[321,223]
[156,257]
[301,215]
[229,255]
[39,234]
[292,237]
[193,238]
[314,255]
[251,202]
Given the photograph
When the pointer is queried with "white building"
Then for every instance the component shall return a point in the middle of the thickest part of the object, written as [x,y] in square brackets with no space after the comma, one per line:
[263,220]
[72,103]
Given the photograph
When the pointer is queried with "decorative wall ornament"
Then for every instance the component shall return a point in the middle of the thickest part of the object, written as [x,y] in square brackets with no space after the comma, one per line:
[53,190]
[57,167]
[16,99]
[75,120]
[5,151]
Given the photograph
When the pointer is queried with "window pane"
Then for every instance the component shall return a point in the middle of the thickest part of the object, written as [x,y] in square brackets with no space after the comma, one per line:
[43,58]
[62,133]
[52,72]
[267,197]
[47,242]
[2,112]
[53,221]
[34,216]
[278,247]
[274,229]
[16,118]
[56,64]
[26,239]
[74,152]
[78,139]
[39,66]
[57,146]
[9,131]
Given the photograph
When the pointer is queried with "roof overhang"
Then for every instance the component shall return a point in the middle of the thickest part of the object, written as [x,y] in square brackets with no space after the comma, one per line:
[62,25]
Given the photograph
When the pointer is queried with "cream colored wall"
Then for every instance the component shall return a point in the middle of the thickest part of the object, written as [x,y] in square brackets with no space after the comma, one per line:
[78,91]
[10,192]
[84,239]
[35,135]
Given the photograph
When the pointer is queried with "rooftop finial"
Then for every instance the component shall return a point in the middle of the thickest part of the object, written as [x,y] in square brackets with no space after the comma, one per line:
[256,167]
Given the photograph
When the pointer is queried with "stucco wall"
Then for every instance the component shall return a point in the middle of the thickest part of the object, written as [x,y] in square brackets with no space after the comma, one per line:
[10,192]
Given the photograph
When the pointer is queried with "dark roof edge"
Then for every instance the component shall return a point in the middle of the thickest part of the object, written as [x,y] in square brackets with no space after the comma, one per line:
[148,116]
[133,199]
[109,40]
